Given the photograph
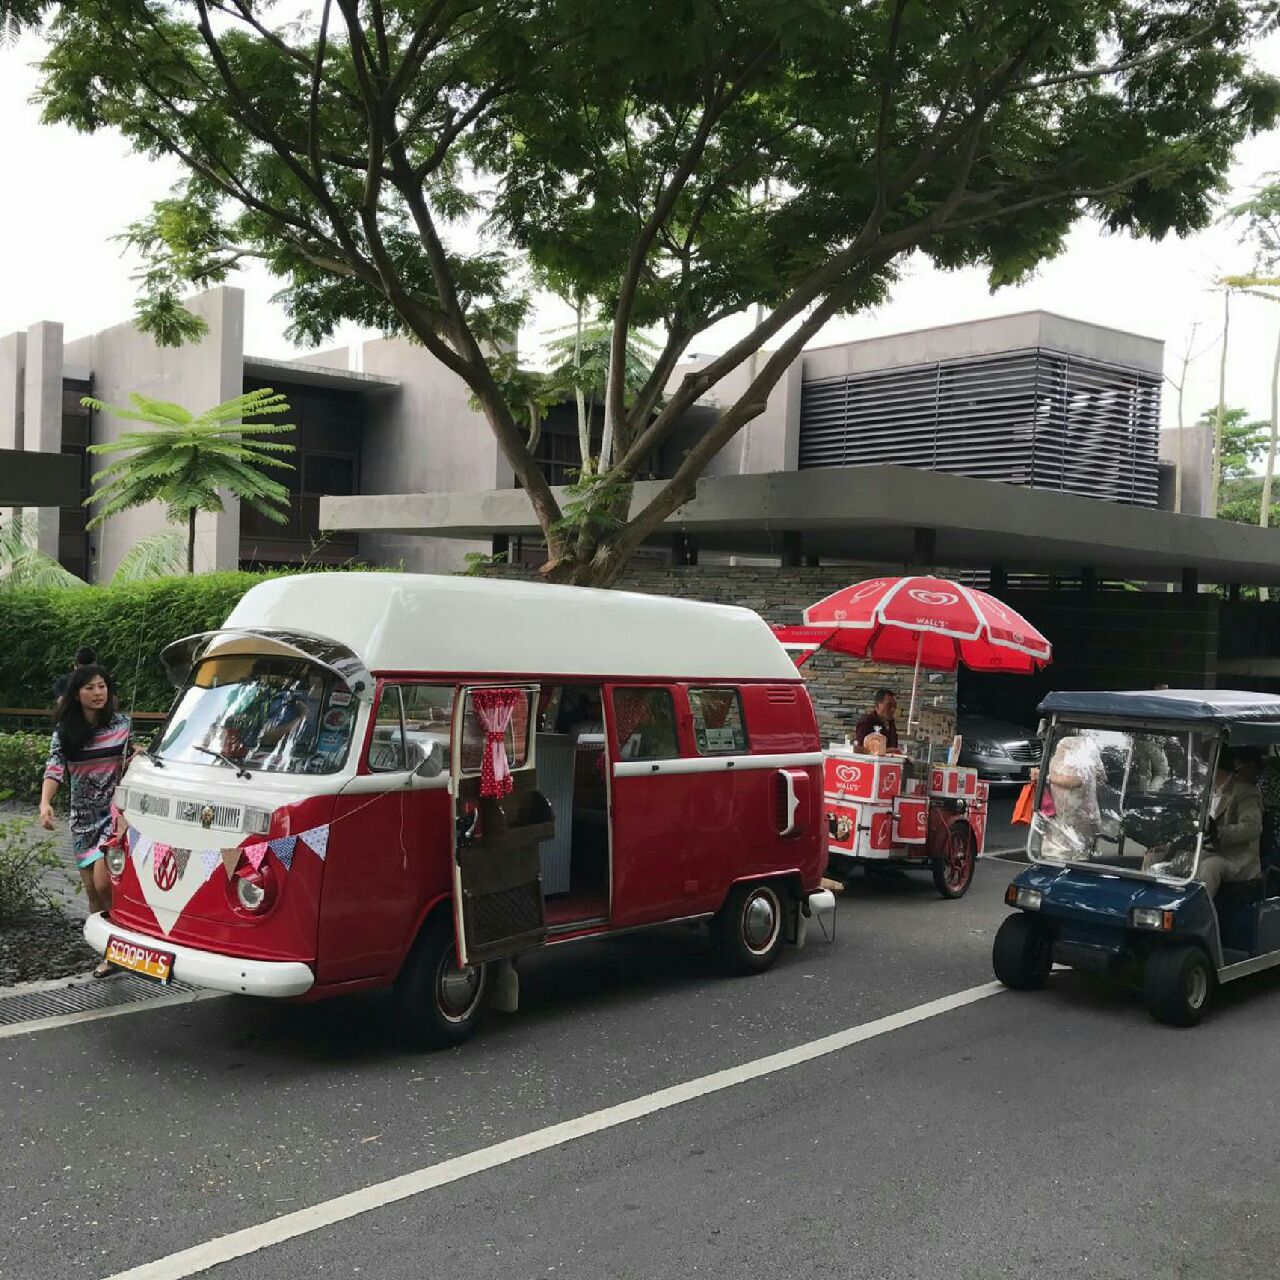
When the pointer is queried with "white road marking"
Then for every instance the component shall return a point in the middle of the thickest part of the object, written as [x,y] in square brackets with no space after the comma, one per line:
[238,1244]
[114,1011]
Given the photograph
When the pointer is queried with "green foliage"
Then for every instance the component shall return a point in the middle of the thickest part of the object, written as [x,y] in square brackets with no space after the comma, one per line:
[22,761]
[582,362]
[156,555]
[679,161]
[127,625]
[23,564]
[184,460]
[24,857]
[1244,445]
[595,505]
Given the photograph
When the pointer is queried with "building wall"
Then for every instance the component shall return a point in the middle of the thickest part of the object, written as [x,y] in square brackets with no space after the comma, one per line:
[196,376]
[1197,465]
[424,438]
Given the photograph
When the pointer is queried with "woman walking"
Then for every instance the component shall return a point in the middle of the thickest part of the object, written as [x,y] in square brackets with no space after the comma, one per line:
[90,740]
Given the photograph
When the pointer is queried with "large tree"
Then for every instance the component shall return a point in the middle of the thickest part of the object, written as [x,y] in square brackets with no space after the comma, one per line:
[408,163]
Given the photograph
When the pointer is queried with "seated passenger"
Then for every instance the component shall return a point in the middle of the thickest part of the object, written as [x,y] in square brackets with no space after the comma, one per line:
[1235,823]
[879,720]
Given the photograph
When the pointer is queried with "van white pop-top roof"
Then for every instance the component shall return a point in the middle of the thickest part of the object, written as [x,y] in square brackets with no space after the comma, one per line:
[427,622]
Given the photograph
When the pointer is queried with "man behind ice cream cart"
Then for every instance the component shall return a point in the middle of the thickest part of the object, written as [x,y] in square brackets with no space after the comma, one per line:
[879,720]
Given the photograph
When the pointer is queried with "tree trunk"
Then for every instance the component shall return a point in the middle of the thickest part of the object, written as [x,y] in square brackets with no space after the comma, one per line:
[579,396]
[1220,416]
[1264,516]
[191,542]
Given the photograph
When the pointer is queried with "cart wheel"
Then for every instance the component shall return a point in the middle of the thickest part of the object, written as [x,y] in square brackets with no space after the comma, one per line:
[1179,984]
[1023,952]
[953,867]
[747,930]
[437,1004]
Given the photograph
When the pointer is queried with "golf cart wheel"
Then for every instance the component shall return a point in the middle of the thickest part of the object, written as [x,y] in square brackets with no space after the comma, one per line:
[1023,952]
[438,1004]
[747,930]
[953,867]
[1179,985]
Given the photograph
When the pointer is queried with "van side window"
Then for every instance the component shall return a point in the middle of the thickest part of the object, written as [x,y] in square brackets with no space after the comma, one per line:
[718,726]
[386,747]
[410,718]
[644,724]
[474,735]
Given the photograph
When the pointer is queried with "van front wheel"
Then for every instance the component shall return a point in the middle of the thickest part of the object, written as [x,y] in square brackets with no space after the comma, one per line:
[437,1003]
[747,930]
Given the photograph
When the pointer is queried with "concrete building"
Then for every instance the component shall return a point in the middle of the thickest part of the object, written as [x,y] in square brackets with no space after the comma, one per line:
[382,419]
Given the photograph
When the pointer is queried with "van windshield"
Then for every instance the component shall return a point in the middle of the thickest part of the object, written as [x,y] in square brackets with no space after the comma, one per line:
[269,714]
[1130,799]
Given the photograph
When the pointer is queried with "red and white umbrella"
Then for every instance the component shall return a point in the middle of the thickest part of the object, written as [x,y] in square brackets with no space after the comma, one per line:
[931,623]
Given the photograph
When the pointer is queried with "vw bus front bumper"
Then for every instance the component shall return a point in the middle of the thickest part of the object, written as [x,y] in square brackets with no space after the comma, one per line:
[279,978]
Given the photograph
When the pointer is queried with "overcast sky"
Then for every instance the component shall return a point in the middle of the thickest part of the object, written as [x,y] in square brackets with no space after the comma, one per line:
[68,195]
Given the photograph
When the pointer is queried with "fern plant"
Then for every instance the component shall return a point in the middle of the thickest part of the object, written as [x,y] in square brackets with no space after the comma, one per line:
[23,564]
[183,459]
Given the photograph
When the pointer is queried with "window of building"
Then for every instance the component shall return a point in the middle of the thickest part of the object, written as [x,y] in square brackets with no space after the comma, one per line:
[718,726]
[644,724]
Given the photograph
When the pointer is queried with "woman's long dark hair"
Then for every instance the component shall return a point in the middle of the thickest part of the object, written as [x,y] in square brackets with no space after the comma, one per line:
[69,718]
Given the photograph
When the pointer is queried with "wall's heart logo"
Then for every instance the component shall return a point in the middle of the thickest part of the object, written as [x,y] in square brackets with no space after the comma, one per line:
[920,596]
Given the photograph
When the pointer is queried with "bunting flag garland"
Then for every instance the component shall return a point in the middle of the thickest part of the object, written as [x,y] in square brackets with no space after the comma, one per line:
[317,840]
[283,848]
[210,858]
[230,860]
[182,857]
[140,848]
[255,853]
[135,837]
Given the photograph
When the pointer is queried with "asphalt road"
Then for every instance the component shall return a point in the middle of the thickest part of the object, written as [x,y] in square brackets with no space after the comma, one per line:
[1061,1134]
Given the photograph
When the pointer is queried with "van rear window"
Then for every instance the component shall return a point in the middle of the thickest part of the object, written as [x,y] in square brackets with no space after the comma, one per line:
[718,726]
[644,724]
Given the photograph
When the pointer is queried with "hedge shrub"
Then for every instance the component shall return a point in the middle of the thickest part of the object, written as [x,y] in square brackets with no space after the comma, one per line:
[22,760]
[126,625]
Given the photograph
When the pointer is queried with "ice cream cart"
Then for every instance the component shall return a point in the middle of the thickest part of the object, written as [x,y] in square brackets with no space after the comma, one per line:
[886,810]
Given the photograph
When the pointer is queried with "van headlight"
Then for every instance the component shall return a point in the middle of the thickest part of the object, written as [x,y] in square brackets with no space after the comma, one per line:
[1151,918]
[115,858]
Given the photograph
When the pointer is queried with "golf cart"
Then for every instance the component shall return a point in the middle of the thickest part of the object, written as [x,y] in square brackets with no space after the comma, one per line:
[1122,819]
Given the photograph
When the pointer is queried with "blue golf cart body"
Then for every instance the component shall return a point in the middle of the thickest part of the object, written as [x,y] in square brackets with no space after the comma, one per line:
[1116,841]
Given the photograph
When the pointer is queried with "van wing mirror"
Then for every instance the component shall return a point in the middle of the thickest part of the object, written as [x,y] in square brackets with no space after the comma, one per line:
[432,764]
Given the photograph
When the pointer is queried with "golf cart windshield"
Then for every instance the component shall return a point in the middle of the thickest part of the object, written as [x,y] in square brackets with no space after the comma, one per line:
[1130,799]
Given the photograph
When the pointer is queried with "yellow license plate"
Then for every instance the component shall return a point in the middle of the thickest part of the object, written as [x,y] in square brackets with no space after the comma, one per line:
[147,962]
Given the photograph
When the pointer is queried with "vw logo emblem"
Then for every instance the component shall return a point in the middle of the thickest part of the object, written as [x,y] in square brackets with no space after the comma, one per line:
[206,816]
[166,871]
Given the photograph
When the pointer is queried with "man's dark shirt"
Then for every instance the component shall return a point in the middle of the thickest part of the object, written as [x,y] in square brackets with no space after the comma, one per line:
[873,722]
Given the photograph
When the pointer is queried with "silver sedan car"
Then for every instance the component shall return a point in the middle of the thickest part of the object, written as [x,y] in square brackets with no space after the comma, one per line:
[999,750]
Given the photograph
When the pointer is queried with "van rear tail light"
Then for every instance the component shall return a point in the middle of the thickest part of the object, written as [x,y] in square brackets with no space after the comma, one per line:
[791,801]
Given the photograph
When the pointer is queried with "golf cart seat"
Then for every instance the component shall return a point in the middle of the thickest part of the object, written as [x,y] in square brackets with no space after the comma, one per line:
[1238,893]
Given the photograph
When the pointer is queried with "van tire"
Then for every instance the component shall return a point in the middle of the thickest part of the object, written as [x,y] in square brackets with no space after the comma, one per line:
[1178,985]
[747,930]
[436,1004]
[1022,954]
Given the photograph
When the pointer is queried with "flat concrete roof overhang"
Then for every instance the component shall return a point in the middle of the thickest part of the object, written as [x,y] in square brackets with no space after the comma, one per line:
[317,375]
[884,515]
[32,479]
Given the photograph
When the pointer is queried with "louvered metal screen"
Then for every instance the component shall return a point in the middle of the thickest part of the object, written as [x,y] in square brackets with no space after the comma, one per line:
[1037,418]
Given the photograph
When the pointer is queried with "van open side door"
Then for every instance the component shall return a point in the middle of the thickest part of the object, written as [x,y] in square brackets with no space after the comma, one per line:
[497,875]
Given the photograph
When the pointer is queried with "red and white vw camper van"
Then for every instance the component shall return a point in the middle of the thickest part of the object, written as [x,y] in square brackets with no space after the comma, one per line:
[374,779]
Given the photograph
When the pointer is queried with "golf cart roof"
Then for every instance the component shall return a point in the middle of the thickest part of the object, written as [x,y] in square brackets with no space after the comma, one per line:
[1249,718]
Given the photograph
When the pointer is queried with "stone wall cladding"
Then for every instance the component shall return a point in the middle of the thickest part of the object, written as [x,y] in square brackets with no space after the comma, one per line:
[842,688]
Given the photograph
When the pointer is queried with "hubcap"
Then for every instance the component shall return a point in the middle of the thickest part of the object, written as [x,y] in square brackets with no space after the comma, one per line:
[458,990]
[760,921]
[1197,987]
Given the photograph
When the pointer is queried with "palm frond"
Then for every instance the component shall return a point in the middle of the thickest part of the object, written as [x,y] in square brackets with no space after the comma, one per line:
[158,555]
[23,564]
